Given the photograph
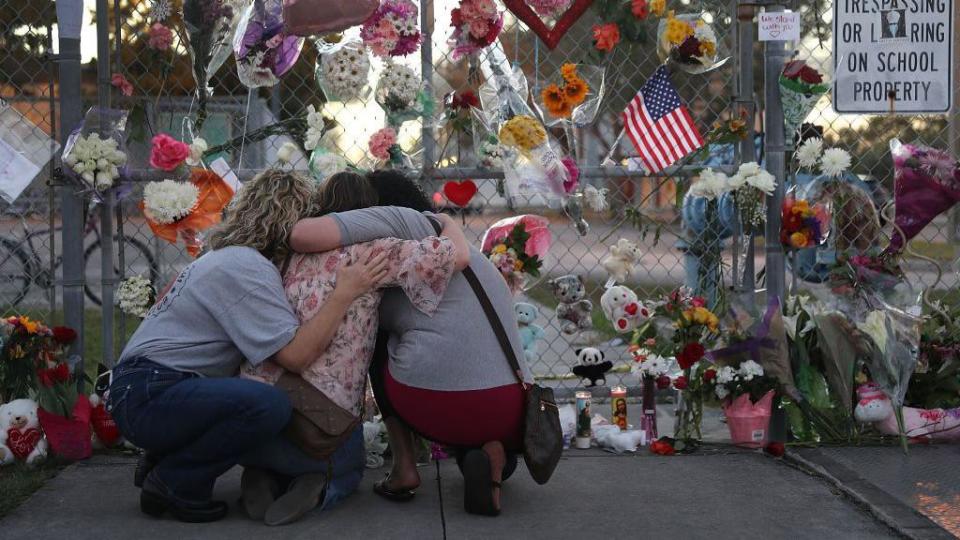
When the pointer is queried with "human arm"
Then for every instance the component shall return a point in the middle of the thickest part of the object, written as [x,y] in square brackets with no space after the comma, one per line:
[357,226]
[315,335]
[453,231]
[314,235]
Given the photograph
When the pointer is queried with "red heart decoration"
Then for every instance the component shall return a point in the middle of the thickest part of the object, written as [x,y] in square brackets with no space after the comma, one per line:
[21,443]
[460,193]
[550,36]
[631,308]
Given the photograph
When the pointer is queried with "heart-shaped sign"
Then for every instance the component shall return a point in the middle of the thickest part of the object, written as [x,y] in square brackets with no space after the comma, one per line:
[21,443]
[550,36]
[460,193]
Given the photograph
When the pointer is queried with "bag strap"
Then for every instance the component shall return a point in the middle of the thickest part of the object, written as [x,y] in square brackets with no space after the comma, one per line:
[491,314]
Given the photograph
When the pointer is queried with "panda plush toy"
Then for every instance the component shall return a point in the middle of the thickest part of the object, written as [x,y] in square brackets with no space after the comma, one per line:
[591,366]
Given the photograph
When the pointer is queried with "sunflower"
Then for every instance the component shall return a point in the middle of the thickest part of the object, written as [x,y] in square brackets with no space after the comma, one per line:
[576,91]
[555,100]
[569,72]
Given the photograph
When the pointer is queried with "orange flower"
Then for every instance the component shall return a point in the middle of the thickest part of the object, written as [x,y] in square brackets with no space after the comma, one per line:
[708,49]
[576,91]
[569,72]
[798,240]
[555,100]
[606,36]
[30,326]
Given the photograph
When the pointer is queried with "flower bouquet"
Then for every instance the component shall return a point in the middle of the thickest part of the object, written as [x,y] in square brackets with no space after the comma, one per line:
[926,184]
[264,53]
[575,99]
[211,26]
[747,395]
[343,74]
[22,342]
[801,86]
[392,30]
[185,208]
[94,153]
[689,42]
[135,295]
[517,247]
[803,225]
[401,94]
[476,24]
[383,146]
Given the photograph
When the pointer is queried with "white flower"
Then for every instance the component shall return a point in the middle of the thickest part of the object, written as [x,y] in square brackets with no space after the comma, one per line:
[726,374]
[398,87]
[251,73]
[168,201]
[96,160]
[135,295]
[704,32]
[809,153]
[197,148]
[721,391]
[834,162]
[711,185]
[875,327]
[160,10]
[315,128]
[323,164]
[345,72]
[286,152]
[750,369]
[763,181]
[595,198]
[655,366]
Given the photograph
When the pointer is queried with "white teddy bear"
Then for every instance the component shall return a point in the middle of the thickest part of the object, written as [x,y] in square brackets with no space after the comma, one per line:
[622,309]
[624,255]
[20,434]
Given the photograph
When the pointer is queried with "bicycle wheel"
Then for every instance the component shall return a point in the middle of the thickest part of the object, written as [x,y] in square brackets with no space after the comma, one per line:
[16,274]
[137,258]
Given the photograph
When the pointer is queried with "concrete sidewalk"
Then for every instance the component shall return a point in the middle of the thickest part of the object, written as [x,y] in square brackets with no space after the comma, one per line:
[717,494]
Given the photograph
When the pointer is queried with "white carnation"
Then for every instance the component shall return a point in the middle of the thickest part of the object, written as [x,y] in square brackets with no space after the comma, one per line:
[323,165]
[711,185]
[315,128]
[763,181]
[96,160]
[345,72]
[753,175]
[654,366]
[834,162]
[135,295]
[168,201]
[197,148]
[750,369]
[721,391]
[286,152]
[726,374]
[809,153]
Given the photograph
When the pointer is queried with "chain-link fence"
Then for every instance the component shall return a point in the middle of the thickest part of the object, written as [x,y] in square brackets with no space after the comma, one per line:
[164,100]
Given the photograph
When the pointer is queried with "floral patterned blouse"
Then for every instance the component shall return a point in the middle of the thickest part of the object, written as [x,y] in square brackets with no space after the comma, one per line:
[422,269]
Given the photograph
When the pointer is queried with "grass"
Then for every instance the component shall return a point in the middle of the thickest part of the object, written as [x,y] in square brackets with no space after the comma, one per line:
[938,251]
[18,482]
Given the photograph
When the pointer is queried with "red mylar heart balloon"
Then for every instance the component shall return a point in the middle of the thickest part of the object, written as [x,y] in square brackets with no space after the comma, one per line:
[460,193]
[550,36]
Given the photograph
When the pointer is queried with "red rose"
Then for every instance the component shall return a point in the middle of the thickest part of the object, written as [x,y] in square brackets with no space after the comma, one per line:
[775,449]
[792,222]
[662,448]
[64,335]
[663,382]
[639,9]
[45,376]
[469,99]
[810,75]
[792,69]
[709,375]
[456,18]
[680,383]
[61,373]
[167,153]
[690,355]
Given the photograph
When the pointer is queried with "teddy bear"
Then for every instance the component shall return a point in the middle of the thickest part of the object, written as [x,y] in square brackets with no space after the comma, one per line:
[622,309]
[20,435]
[624,255]
[570,291]
[591,366]
[529,333]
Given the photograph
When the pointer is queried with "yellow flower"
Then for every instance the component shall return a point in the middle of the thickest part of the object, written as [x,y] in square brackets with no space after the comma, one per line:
[657,7]
[798,240]
[677,31]
[30,326]
[555,100]
[500,248]
[518,265]
[708,49]
[523,132]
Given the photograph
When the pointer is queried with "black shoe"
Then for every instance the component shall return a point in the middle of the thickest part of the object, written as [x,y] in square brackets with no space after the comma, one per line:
[145,464]
[155,502]
[477,485]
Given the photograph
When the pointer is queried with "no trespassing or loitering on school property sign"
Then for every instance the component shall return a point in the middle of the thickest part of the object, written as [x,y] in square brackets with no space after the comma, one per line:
[902,48]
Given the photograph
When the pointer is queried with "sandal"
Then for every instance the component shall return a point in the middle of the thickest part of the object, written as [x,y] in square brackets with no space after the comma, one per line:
[477,485]
[400,495]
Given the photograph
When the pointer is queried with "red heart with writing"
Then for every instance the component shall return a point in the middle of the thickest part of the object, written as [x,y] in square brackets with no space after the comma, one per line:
[550,36]
[21,443]
[460,193]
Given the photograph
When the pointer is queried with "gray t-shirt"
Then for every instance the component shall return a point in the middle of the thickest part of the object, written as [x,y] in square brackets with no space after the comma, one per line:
[225,307]
[455,348]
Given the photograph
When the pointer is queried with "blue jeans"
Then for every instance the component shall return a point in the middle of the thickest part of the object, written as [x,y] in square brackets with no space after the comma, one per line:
[199,427]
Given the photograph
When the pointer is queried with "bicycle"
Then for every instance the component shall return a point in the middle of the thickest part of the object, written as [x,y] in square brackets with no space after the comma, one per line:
[21,265]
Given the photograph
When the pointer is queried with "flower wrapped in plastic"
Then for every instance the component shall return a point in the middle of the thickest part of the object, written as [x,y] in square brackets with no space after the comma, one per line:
[343,74]
[264,52]
[535,168]
[517,246]
[185,208]
[95,153]
[392,30]
[689,42]
[926,184]
[211,26]
[573,99]
[804,223]
[403,96]
[476,24]
[801,86]
[135,295]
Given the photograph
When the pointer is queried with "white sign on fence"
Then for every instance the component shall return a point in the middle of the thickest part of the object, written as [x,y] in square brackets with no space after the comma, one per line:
[898,48]
[779,26]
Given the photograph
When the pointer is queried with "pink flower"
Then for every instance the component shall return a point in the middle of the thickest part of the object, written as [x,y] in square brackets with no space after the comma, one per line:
[573,175]
[161,37]
[121,83]
[167,153]
[381,141]
[479,28]
[487,7]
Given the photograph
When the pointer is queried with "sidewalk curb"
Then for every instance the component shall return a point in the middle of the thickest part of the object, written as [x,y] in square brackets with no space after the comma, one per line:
[900,517]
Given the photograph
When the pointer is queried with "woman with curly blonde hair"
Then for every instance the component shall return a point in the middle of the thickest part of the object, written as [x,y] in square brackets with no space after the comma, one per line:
[175,393]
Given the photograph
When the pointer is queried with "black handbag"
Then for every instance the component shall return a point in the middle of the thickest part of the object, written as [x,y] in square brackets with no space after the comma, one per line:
[542,434]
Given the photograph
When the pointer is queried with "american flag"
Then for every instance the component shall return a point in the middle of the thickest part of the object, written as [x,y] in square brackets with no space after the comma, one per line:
[659,125]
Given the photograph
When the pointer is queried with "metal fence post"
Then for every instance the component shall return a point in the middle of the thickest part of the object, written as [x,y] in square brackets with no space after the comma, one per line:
[109,198]
[774,55]
[71,205]
[426,67]
[745,104]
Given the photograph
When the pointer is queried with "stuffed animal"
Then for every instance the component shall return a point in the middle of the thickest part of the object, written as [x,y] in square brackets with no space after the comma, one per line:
[875,407]
[622,309]
[106,434]
[375,442]
[591,366]
[20,434]
[570,291]
[624,255]
[529,333]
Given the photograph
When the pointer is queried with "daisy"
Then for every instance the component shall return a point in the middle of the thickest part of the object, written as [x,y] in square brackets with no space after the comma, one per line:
[834,162]
[809,153]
